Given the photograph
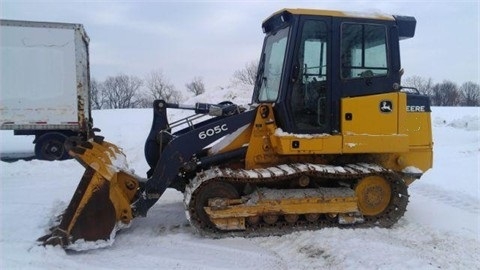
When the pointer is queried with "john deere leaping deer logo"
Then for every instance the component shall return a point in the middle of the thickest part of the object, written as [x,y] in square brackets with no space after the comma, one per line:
[386,106]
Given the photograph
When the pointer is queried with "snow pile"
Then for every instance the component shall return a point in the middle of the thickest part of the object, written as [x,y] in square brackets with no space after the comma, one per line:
[237,95]
[441,228]
[412,169]
[280,133]
[469,122]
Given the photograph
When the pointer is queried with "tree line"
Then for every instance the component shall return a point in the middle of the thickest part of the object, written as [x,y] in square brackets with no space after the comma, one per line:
[126,91]
[446,93]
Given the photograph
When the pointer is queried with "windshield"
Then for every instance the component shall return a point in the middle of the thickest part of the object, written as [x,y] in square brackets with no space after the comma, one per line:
[271,65]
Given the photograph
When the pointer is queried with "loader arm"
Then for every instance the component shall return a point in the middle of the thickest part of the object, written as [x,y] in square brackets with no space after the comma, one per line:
[160,132]
[169,153]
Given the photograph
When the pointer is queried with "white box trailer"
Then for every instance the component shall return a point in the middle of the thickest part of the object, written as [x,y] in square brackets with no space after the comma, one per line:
[45,83]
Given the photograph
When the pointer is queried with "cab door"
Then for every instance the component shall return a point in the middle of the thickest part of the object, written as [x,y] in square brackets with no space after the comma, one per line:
[309,89]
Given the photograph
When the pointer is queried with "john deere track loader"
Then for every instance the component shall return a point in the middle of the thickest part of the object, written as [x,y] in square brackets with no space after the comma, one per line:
[331,139]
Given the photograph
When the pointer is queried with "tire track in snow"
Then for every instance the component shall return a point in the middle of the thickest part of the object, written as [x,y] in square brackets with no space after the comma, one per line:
[167,236]
[406,245]
[441,249]
[300,250]
[462,201]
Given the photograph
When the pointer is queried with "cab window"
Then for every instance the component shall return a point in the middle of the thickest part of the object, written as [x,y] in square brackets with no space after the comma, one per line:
[363,50]
[271,66]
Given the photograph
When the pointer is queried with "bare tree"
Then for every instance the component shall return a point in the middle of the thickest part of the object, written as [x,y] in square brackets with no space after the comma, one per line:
[246,76]
[121,91]
[160,88]
[197,87]
[97,98]
[424,86]
[470,94]
[445,94]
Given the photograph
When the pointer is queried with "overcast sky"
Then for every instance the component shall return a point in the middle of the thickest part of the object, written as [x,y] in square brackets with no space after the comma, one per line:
[212,39]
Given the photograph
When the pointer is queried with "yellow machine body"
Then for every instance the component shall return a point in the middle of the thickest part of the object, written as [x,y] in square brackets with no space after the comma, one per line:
[396,140]
[331,138]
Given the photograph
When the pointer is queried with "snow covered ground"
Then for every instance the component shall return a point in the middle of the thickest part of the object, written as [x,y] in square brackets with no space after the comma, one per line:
[441,228]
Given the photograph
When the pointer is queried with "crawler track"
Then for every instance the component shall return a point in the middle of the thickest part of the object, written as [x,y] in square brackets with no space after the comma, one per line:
[347,175]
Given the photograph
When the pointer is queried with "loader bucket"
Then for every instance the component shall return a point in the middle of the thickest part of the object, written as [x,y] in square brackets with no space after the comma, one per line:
[101,203]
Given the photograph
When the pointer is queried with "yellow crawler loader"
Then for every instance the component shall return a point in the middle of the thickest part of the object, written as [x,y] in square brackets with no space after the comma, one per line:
[331,138]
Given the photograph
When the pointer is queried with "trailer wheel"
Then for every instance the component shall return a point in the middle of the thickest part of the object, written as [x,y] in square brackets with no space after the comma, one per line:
[51,146]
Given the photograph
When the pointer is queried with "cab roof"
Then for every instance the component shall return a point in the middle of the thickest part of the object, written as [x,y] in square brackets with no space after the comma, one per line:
[406,24]
[334,13]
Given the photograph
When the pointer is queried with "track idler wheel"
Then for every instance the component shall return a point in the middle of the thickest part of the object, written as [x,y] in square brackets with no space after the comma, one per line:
[312,217]
[253,220]
[270,219]
[382,199]
[291,218]
[374,194]
[210,191]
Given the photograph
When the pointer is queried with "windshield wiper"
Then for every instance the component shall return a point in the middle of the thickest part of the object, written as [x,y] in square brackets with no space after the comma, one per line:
[260,77]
